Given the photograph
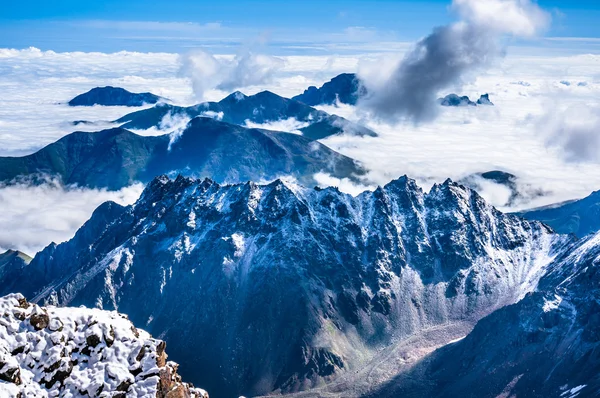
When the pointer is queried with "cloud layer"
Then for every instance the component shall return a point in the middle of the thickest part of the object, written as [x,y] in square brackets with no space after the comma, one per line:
[34,216]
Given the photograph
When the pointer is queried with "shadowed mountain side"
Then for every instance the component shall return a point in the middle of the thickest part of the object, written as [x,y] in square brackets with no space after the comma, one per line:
[116,158]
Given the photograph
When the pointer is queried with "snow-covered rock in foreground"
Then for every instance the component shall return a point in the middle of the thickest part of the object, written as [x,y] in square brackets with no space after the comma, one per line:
[76,352]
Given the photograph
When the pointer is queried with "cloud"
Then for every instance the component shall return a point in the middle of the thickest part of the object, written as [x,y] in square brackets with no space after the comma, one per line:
[573,132]
[290,125]
[33,216]
[206,71]
[448,55]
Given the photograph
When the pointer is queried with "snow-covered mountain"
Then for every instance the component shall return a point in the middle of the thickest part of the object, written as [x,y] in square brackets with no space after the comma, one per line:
[579,217]
[80,352]
[546,345]
[261,288]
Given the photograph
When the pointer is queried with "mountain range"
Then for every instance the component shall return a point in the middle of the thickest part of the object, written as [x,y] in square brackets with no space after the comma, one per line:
[227,269]
[116,158]
[114,96]
[261,108]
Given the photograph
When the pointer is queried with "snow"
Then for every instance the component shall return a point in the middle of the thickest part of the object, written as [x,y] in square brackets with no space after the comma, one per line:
[76,352]
[573,392]
[550,305]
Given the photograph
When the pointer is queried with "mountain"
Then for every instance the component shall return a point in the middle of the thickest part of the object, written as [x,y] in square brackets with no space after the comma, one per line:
[280,288]
[455,100]
[74,352]
[345,88]
[237,108]
[579,217]
[116,158]
[484,100]
[12,259]
[114,96]
[546,345]
[518,191]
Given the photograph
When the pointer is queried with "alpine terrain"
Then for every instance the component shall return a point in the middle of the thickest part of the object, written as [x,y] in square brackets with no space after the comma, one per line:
[280,288]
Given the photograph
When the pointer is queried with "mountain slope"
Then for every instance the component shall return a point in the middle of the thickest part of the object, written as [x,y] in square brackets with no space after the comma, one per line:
[227,270]
[579,217]
[345,88]
[116,158]
[546,345]
[75,352]
[260,108]
[114,96]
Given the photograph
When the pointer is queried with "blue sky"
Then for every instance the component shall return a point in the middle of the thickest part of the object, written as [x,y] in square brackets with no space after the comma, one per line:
[290,26]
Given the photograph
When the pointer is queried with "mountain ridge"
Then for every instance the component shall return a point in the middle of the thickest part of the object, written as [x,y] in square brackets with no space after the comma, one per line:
[352,273]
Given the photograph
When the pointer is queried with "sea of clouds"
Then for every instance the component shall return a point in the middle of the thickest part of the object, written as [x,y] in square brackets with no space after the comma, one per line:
[543,128]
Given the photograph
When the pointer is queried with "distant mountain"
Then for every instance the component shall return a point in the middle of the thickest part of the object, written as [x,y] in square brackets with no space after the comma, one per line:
[116,158]
[455,100]
[520,192]
[76,352]
[114,96]
[282,288]
[546,345]
[345,88]
[237,108]
[484,100]
[12,259]
[579,217]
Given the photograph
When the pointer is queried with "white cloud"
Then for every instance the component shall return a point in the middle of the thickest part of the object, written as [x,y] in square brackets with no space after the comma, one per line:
[516,17]
[33,216]
[206,71]
[574,132]
[290,125]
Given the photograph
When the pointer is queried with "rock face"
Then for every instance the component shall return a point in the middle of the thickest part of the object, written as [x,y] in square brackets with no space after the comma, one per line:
[74,352]
[114,96]
[345,88]
[237,108]
[579,217]
[280,288]
[116,158]
[546,345]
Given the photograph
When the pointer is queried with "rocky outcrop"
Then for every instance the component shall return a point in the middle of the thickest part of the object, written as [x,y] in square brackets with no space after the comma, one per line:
[81,352]
[227,269]
[345,88]
[114,96]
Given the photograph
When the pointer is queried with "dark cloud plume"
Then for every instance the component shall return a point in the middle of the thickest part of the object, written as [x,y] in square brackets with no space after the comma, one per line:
[449,54]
